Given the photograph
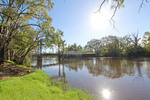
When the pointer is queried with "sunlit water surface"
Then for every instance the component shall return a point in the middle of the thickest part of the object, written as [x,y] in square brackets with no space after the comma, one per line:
[106,78]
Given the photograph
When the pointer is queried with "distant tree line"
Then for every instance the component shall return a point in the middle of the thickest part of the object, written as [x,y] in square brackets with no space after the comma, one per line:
[127,46]
[114,46]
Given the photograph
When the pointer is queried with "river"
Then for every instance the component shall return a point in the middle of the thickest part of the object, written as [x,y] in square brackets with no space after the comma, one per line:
[106,78]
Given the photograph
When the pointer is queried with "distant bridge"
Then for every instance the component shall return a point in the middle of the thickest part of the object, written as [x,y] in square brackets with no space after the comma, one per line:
[68,55]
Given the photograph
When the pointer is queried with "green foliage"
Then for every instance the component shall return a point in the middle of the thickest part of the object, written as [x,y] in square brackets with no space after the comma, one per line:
[36,86]
[22,43]
[127,46]
[74,47]
[107,46]
[86,51]
[94,45]
[146,39]
[147,49]
[22,24]
[116,4]
[130,51]
[112,45]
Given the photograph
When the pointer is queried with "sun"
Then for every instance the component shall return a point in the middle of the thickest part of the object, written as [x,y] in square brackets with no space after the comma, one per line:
[100,20]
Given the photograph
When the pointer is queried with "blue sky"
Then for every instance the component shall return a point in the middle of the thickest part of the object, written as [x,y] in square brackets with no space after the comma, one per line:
[73,17]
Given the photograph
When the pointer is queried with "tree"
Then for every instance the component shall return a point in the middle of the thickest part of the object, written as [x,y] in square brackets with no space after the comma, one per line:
[21,44]
[135,40]
[87,48]
[124,42]
[134,49]
[130,51]
[112,44]
[74,47]
[17,15]
[146,42]
[59,42]
[146,39]
[95,45]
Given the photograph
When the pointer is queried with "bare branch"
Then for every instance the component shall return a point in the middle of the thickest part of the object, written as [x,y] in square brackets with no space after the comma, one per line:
[111,19]
[114,12]
[100,6]
[141,5]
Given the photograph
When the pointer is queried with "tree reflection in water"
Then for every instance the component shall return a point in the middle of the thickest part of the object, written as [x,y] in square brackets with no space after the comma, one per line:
[39,62]
[108,67]
[111,68]
[147,67]
[61,76]
[74,64]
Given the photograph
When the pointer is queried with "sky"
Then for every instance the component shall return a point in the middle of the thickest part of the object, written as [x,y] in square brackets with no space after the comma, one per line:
[79,22]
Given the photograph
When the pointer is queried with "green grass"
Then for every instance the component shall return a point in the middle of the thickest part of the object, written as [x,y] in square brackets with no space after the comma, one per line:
[13,63]
[38,86]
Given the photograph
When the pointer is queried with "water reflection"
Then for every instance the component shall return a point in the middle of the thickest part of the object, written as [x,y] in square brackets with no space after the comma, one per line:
[61,75]
[39,63]
[106,94]
[74,64]
[148,71]
[128,78]
[108,67]
[101,66]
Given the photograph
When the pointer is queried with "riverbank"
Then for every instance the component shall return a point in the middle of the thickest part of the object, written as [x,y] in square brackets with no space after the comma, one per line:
[38,86]
[11,69]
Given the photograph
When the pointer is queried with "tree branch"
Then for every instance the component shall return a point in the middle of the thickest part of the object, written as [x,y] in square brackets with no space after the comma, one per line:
[30,25]
[100,6]
[114,12]
[142,3]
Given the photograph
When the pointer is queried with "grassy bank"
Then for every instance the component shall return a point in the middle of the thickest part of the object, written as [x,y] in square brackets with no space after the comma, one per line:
[37,86]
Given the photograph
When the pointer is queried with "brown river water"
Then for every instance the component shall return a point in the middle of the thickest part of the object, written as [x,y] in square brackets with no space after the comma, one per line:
[106,78]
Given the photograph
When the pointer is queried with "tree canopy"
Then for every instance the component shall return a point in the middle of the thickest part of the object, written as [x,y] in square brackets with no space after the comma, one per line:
[21,24]
[74,47]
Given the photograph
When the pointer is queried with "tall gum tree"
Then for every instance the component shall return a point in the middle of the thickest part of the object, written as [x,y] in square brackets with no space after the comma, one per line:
[18,14]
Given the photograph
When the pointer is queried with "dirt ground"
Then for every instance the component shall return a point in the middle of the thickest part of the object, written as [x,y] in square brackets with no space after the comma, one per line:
[9,70]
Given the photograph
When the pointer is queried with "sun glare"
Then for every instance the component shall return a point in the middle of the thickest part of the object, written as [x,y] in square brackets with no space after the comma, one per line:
[100,21]
[106,94]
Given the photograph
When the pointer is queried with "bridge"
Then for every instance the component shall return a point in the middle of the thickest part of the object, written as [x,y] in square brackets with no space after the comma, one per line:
[67,55]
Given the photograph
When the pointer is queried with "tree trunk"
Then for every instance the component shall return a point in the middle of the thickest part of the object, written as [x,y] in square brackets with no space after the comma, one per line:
[1,55]
[12,55]
[59,53]
[22,59]
[5,52]
[8,54]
